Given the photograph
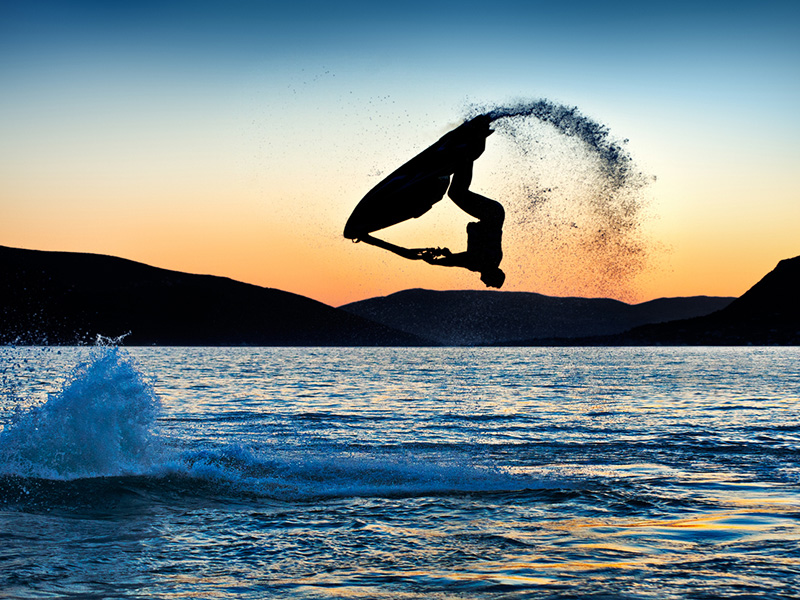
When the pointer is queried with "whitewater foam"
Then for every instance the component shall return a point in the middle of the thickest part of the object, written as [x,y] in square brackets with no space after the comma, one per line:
[333,473]
[100,423]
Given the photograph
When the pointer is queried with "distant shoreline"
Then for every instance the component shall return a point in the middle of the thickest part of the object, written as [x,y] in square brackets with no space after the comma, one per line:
[68,299]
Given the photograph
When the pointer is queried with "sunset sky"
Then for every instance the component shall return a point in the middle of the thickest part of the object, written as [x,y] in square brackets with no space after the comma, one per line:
[235,138]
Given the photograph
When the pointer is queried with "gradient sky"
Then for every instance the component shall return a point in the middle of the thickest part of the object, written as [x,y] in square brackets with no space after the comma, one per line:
[234,138]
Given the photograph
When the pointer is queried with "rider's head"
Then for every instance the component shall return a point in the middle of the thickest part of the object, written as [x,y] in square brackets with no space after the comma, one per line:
[493,277]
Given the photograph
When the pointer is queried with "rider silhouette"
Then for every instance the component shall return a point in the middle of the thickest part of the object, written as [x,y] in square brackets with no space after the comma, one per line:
[484,237]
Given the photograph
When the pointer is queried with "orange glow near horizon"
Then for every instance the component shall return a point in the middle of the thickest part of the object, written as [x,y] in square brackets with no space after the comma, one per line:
[279,238]
[278,228]
[251,244]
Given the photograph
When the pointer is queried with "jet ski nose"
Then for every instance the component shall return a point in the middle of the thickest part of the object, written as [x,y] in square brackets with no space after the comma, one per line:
[482,123]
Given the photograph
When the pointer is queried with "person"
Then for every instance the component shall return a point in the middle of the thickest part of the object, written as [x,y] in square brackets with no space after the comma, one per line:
[484,238]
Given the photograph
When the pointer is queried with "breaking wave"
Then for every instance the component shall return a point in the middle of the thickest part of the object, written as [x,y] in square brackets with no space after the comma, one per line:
[98,440]
[99,423]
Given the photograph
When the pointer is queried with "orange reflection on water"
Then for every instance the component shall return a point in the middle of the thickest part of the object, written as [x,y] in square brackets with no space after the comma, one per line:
[580,565]
[201,585]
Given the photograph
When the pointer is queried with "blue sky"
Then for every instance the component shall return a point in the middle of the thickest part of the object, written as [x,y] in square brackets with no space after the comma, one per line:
[165,131]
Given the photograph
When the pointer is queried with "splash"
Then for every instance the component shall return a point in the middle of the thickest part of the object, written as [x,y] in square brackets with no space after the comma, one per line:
[574,200]
[616,163]
[94,443]
[329,472]
[99,424]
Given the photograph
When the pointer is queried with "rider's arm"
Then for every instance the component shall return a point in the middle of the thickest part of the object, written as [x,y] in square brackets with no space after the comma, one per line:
[399,250]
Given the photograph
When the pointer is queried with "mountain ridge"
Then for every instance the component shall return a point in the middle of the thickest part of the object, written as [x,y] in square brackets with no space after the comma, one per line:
[488,317]
[766,314]
[70,297]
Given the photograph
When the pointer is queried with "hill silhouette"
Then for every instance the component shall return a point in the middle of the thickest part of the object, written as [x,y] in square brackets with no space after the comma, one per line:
[766,314]
[489,317]
[70,298]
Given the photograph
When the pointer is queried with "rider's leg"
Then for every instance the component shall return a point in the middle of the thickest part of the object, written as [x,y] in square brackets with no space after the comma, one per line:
[480,207]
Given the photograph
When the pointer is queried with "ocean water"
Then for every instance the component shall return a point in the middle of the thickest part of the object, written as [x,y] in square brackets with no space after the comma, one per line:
[400,473]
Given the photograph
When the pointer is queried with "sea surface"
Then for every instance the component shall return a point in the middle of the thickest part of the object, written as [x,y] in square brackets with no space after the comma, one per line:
[437,473]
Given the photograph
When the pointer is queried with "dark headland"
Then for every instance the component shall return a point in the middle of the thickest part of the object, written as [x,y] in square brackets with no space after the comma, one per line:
[487,317]
[768,314]
[64,298]
[69,298]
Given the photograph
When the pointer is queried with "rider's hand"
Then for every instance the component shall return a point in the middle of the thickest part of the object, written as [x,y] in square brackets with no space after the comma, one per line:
[430,255]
